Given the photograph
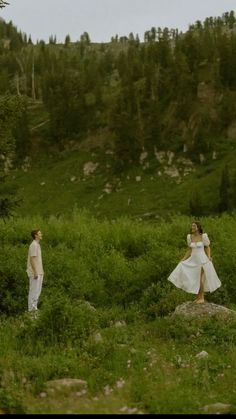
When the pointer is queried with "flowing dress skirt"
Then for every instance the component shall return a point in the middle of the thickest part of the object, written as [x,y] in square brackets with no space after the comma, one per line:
[187,273]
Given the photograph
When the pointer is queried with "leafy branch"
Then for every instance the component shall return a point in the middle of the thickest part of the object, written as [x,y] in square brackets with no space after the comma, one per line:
[3,3]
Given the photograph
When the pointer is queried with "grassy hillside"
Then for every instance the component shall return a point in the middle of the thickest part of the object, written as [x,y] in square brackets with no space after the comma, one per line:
[56,184]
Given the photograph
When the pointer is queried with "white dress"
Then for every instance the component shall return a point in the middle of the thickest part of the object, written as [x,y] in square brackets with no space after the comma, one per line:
[187,273]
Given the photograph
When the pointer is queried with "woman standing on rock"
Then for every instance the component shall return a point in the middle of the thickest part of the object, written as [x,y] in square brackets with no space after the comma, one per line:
[195,273]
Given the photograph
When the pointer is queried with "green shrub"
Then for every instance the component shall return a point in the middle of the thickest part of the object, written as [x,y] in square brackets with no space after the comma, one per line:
[10,403]
[60,322]
[200,332]
[161,299]
[110,263]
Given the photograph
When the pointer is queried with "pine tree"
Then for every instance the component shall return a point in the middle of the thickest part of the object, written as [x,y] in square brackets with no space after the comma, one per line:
[224,201]
[233,191]
[67,40]
[195,204]
[85,38]
[12,110]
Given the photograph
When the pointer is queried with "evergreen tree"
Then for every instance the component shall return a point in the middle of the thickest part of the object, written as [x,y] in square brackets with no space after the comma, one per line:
[85,38]
[233,191]
[11,113]
[195,204]
[67,40]
[8,206]
[224,201]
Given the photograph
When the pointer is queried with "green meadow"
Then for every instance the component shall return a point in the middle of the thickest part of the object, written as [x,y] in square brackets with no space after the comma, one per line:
[106,318]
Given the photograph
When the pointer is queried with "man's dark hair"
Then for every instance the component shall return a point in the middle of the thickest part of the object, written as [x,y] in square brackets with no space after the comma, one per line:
[35,232]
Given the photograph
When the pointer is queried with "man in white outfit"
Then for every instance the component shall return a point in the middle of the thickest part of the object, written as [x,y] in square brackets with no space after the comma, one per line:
[34,270]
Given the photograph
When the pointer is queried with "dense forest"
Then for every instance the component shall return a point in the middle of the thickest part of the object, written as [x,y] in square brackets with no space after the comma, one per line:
[175,91]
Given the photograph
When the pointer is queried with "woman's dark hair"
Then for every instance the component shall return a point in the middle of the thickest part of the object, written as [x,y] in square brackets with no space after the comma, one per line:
[200,229]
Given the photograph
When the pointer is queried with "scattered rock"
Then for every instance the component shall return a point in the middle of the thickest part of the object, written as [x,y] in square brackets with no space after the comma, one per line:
[66,384]
[120,383]
[202,355]
[90,168]
[202,158]
[87,304]
[206,93]
[143,156]
[80,393]
[43,395]
[170,156]
[217,408]
[184,161]
[172,171]
[108,188]
[160,155]
[97,337]
[108,390]
[120,323]
[26,164]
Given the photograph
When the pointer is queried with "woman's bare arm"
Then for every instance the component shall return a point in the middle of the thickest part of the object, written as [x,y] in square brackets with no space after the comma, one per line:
[187,254]
[208,252]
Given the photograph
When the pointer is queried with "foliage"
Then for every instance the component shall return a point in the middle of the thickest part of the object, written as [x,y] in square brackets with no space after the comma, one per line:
[106,317]
[9,402]
[160,300]
[200,332]
[224,190]
[12,110]
[14,137]
[3,3]
[7,207]
[59,323]
[173,90]
[80,251]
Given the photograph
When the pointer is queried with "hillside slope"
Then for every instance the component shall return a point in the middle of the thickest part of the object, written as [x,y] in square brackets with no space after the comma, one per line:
[161,185]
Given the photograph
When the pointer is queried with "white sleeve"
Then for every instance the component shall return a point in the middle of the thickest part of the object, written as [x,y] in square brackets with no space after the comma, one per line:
[33,249]
[205,239]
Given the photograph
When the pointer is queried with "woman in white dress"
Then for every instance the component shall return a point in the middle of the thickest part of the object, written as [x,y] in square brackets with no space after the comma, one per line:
[195,273]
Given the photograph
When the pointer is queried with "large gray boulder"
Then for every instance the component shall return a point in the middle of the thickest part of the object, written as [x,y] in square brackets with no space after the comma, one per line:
[191,309]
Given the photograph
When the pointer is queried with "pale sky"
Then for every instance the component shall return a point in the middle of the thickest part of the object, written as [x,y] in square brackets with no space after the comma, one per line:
[103,19]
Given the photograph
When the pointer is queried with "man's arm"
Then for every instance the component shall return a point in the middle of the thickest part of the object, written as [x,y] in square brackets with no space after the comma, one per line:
[33,264]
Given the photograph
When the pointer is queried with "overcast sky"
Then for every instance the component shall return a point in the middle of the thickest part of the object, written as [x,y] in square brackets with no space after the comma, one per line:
[103,19]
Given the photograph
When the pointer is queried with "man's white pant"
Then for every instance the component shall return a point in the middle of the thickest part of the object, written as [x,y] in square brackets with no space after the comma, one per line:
[35,287]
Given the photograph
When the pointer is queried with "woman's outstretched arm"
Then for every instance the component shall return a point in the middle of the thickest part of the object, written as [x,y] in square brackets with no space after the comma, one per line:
[208,252]
[187,254]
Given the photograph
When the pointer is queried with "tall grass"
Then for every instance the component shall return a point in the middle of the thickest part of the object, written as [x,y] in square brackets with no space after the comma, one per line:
[108,263]
[105,314]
